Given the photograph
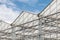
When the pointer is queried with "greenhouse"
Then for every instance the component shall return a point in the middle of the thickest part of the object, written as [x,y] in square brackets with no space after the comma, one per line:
[29,26]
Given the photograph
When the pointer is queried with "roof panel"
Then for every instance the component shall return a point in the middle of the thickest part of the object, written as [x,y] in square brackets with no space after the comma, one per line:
[25,18]
[52,8]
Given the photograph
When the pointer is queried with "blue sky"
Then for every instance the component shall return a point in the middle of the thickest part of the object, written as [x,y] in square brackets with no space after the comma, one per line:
[10,9]
[35,6]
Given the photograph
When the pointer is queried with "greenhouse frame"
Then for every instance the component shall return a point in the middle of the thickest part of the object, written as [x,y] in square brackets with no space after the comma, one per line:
[29,26]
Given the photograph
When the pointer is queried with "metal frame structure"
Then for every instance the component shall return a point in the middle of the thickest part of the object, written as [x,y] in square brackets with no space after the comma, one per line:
[28,26]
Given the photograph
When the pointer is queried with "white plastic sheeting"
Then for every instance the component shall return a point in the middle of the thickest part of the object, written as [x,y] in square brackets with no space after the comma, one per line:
[52,8]
[23,28]
[26,26]
[25,17]
[52,23]
[29,29]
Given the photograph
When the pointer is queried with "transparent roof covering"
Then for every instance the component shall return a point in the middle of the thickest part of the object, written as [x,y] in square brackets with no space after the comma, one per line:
[28,26]
[30,29]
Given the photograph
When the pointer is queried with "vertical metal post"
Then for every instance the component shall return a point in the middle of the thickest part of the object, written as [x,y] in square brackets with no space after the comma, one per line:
[0,30]
[40,29]
[13,33]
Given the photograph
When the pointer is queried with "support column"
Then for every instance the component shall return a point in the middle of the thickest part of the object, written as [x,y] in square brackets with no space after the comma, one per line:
[40,29]
[13,33]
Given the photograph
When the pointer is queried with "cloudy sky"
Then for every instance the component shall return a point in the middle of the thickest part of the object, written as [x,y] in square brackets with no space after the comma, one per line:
[10,9]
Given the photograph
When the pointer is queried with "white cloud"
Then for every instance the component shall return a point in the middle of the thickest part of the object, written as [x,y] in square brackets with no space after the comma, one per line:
[25,1]
[8,14]
[7,2]
[3,1]
[29,2]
